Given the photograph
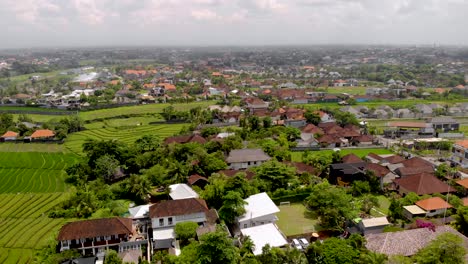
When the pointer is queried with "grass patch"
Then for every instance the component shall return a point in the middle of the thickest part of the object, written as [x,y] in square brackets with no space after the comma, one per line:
[297,155]
[295,219]
[358,90]
[384,204]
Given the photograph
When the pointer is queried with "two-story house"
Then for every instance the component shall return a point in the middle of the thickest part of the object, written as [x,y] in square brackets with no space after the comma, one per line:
[259,210]
[98,235]
[444,124]
[460,153]
[166,214]
[245,158]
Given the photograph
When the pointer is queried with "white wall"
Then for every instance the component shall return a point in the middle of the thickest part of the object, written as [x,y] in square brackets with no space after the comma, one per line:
[244,165]
[197,218]
[271,218]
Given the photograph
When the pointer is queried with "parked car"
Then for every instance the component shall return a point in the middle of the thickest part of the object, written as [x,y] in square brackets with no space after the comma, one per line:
[304,243]
[296,244]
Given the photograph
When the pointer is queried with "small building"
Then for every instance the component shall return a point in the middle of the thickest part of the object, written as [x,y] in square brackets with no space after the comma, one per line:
[197,180]
[433,206]
[263,235]
[412,211]
[421,184]
[373,225]
[9,136]
[460,153]
[246,158]
[444,124]
[181,191]
[42,134]
[259,210]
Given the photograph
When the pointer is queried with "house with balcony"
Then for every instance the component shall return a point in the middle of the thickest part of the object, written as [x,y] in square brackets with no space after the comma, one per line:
[460,153]
[245,158]
[94,236]
[166,214]
[259,210]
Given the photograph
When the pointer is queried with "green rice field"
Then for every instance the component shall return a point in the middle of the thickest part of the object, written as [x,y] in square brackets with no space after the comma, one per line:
[297,155]
[24,225]
[75,141]
[33,172]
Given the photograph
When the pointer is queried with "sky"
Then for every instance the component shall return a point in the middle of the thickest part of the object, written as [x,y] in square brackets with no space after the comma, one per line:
[58,23]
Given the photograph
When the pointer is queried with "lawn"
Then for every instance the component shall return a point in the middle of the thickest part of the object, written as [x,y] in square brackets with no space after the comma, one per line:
[297,155]
[295,219]
[349,90]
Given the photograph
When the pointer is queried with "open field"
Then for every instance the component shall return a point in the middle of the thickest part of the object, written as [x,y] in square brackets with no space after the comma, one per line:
[33,171]
[295,219]
[297,155]
[24,225]
[119,122]
[75,141]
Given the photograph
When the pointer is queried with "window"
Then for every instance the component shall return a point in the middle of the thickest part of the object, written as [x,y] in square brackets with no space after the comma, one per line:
[262,223]
[248,163]
[98,239]
[161,221]
[65,243]
[170,220]
[245,225]
[255,163]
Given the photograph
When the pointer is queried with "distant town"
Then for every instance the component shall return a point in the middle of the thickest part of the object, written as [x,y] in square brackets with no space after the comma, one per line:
[320,154]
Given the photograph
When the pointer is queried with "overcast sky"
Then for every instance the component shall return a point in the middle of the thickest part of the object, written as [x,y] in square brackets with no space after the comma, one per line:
[37,23]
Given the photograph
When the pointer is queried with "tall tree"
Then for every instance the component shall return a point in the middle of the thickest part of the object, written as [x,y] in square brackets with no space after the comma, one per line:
[215,248]
[233,206]
[446,248]
[332,204]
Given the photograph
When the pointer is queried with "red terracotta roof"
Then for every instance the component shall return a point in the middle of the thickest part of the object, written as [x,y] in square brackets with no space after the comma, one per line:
[364,138]
[43,133]
[416,162]
[423,183]
[185,139]
[312,129]
[351,158]
[463,183]
[178,207]
[462,143]
[167,86]
[379,170]
[394,159]
[195,177]
[231,173]
[406,171]
[301,167]
[95,228]
[465,201]
[433,203]
[374,156]
[9,134]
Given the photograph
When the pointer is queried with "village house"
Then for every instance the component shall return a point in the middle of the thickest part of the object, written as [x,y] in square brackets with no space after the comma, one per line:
[246,158]
[259,210]
[98,235]
[460,153]
[166,214]
[374,225]
[421,184]
[433,206]
[9,136]
[444,124]
[42,134]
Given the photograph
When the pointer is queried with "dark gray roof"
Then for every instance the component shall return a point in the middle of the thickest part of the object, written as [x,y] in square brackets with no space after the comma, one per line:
[443,120]
[246,155]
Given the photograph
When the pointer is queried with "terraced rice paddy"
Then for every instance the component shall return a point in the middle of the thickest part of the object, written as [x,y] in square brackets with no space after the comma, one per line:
[75,141]
[33,171]
[24,225]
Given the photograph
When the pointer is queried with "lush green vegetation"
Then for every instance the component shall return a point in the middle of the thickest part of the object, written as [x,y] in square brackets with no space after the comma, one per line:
[33,171]
[31,147]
